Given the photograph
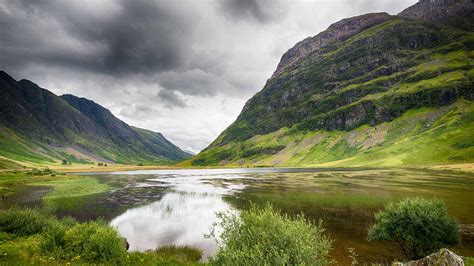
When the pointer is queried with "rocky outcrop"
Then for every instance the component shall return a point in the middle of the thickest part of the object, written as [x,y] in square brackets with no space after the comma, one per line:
[338,31]
[438,10]
[444,257]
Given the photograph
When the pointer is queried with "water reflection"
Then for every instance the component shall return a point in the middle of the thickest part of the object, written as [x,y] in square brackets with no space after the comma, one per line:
[182,217]
[177,219]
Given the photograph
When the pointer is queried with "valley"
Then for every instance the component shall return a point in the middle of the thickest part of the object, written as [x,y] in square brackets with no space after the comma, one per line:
[357,150]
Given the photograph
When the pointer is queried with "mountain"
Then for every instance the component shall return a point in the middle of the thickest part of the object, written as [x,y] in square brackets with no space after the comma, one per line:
[39,127]
[371,90]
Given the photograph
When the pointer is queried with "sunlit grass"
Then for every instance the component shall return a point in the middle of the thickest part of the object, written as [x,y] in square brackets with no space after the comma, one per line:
[73,187]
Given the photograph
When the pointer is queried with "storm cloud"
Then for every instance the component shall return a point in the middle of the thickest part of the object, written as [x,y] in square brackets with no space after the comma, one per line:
[184,68]
[259,10]
[171,98]
[114,38]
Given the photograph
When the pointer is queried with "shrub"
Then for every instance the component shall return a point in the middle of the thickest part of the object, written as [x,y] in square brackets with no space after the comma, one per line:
[23,221]
[94,242]
[266,237]
[52,239]
[66,240]
[417,226]
[64,162]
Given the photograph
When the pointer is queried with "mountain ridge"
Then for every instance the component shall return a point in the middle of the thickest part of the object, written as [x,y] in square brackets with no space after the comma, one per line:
[391,66]
[41,127]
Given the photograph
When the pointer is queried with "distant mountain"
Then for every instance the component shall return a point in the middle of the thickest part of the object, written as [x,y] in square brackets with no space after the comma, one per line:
[39,127]
[371,90]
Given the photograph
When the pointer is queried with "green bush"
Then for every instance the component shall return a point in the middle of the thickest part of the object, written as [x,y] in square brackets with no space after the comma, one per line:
[94,242]
[64,240]
[417,226]
[52,239]
[23,221]
[266,237]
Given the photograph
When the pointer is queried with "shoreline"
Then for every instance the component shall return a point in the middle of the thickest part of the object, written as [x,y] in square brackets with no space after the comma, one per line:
[462,167]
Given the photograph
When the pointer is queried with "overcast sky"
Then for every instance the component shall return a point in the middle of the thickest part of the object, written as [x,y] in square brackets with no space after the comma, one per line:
[183,68]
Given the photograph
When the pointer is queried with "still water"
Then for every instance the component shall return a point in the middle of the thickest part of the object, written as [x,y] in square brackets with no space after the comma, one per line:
[154,208]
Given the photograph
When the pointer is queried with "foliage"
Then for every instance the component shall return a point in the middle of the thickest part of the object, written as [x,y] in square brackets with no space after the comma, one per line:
[33,236]
[469,261]
[417,226]
[263,236]
[23,222]
[94,242]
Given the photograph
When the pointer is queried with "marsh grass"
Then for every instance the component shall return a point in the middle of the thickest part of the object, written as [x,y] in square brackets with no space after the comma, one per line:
[67,191]
[73,187]
[332,207]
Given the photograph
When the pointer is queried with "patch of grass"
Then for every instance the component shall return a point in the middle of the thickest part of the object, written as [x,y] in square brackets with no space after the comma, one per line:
[183,253]
[73,187]
[12,182]
[468,261]
[70,193]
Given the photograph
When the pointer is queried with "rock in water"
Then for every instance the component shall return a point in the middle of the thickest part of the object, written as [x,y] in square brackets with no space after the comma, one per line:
[443,257]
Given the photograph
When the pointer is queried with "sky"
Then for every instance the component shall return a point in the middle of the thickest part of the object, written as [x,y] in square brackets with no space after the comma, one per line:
[180,67]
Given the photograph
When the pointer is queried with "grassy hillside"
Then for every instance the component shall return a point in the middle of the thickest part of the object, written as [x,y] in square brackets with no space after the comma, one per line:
[397,93]
[419,136]
[39,128]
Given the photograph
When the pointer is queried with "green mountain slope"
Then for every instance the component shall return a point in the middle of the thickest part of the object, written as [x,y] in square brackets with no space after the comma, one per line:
[360,93]
[38,127]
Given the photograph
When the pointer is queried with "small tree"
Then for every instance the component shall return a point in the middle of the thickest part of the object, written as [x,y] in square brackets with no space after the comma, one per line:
[266,237]
[417,226]
[64,162]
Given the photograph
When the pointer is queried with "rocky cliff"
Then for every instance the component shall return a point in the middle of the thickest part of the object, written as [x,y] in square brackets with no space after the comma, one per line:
[439,10]
[337,32]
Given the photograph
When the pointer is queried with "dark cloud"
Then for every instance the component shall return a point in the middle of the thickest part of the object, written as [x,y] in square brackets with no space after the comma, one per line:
[260,10]
[171,98]
[121,38]
[193,82]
